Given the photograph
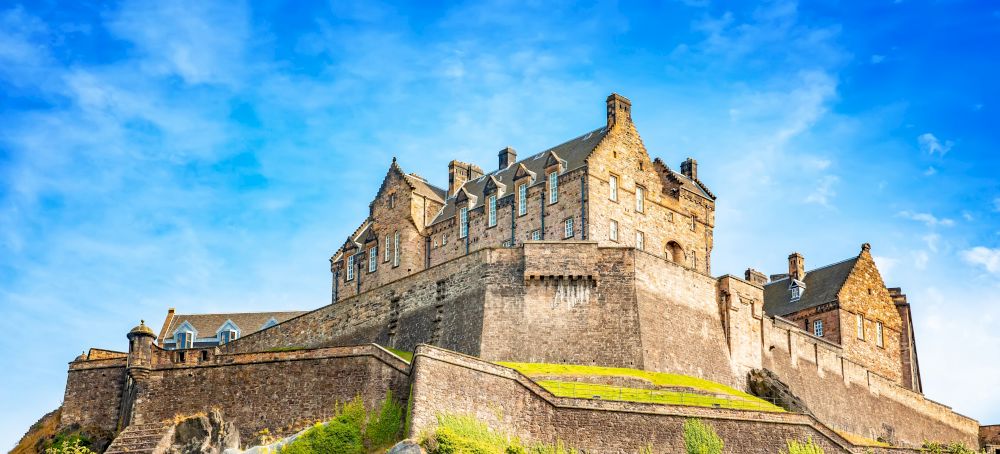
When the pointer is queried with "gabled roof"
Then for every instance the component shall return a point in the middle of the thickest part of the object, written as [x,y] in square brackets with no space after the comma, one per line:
[822,286]
[572,153]
[693,185]
[207,324]
[418,184]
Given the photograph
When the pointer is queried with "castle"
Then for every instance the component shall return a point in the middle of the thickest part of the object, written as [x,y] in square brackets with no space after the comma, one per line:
[588,253]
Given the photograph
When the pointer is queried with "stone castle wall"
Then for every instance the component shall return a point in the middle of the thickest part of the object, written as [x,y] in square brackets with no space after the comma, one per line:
[93,393]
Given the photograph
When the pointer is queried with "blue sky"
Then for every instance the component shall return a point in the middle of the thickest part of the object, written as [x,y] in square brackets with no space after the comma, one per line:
[211,156]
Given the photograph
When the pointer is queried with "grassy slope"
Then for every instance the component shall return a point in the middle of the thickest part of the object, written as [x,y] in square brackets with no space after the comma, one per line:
[407,356]
[736,399]
[45,428]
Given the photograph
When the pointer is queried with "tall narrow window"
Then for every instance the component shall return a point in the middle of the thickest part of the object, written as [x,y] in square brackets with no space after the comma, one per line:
[613,187]
[640,240]
[395,249]
[613,231]
[522,199]
[640,196]
[553,187]
[860,320]
[818,328]
[536,235]
[568,224]
[878,335]
[492,210]
[372,258]
[350,267]
[463,222]
[385,255]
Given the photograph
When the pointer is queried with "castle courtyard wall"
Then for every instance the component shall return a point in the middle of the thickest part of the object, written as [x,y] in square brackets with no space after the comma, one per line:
[93,393]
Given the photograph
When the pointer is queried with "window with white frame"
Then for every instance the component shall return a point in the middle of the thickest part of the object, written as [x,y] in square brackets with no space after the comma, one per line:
[818,328]
[372,258]
[640,196]
[640,240]
[522,199]
[385,254]
[613,187]
[350,268]
[613,230]
[228,335]
[492,215]
[860,321]
[395,249]
[183,339]
[878,335]
[463,222]
[568,228]
[553,187]
[536,235]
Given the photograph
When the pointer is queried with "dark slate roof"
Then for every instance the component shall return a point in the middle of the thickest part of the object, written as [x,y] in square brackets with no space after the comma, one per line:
[207,324]
[572,153]
[422,187]
[822,286]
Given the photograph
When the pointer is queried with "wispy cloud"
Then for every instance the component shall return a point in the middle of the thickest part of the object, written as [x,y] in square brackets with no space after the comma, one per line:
[824,191]
[876,59]
[987,258]
[929,219]
[931,144]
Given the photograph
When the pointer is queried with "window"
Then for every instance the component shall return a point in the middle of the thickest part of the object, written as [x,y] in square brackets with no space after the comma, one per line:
[372,258]
[392,200]
[640,240]
[613,233]
[183,339]
[508,243]
[796,292]
[553,187]
[694,222]
[463,222]
[568,227]
[228,335]
[613,187]
[861,326]
[395,249]
[536,235]
[350,267]
[493,210]
[818,328]
[385,255]
[522,199]
[878,334]
[640,195]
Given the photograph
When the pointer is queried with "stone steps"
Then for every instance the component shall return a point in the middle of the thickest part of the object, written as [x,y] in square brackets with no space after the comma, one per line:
[142,439]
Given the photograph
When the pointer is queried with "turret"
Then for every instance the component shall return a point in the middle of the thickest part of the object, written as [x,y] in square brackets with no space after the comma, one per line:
[140,350]
[619,110]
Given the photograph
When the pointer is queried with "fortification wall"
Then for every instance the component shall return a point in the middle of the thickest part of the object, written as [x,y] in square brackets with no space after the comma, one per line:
[846,396]
[277,390]
[449,383]
[562,302]
[442,305]
[93,393]
[681,326]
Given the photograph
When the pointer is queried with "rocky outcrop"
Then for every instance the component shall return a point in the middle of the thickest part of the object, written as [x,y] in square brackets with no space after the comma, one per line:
[204,434]
[407,446]
[765,384]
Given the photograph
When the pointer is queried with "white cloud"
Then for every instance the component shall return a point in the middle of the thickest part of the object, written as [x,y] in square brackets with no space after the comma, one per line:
[967,215]
[930,171]
[920,259]
[823,192]
[929,219]
[885,265]
[932,240]
[876,59]
[985,257]
[930,144]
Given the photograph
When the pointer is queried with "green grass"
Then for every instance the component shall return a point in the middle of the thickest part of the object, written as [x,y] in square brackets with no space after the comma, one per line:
[733,399]
[860,440]
[407,356]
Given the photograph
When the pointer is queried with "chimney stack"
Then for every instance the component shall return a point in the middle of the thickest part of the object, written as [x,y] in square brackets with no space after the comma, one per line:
[619,110]
[796,266]
[690,168]
[508,156]
[459,172]
[755,277]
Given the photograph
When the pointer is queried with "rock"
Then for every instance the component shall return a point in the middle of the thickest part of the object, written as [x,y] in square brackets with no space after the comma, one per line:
[407,446]
[204,434]
[766,385]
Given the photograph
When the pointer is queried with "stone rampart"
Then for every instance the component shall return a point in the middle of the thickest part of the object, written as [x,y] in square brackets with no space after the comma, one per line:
[93,393]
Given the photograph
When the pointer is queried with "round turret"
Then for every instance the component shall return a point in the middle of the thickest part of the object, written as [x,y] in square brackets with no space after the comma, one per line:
[141,330]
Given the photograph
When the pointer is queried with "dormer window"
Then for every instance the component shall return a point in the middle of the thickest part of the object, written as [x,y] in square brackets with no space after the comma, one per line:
[350,268]
[228,335]
[796,289]
[183,339]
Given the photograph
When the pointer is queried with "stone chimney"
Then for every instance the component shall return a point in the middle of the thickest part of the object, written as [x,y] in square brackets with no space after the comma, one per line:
[619,110]
[690,168]
[508,156]
[755,277]
[459,172]
[796,266]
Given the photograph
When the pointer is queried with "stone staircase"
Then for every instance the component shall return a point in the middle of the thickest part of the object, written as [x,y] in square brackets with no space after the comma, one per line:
[152,438]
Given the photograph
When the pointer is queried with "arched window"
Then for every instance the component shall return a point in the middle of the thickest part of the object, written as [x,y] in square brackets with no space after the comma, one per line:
[675,253]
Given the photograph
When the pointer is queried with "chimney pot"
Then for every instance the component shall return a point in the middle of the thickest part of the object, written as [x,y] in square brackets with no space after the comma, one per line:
[507,156]
[756,277]
[619,110]
[796,266]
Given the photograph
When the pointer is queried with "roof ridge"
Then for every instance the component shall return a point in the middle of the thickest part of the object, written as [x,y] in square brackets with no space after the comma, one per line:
[832,264]
[540,153]
[238,313]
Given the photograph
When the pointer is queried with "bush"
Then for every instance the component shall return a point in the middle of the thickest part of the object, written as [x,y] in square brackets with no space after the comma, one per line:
[467,435]
[352,430]
[700,438]
[940,448]
[795,447]
[70,445]
[384,427]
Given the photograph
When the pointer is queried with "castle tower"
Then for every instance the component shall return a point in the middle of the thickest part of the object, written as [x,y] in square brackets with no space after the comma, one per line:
[140,350]
[619,110]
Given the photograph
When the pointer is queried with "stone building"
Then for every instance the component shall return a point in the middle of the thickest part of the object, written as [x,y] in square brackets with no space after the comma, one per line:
[989,439]
[587,253]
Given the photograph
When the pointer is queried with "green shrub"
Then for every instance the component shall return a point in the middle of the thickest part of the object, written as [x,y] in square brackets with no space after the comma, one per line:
[809,447]
[352,430]
[940,448]
[467,435]
[700,438]
[69,445]
[385,426]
